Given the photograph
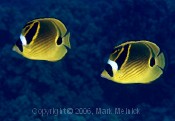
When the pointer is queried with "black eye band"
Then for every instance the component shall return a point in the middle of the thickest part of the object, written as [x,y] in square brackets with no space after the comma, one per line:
[19,45]
[108,68]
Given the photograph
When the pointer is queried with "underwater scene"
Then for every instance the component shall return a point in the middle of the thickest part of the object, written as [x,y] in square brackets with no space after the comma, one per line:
[82,60]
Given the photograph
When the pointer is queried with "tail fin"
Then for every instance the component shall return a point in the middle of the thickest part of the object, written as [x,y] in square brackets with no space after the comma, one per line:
[160,60]
[66,41]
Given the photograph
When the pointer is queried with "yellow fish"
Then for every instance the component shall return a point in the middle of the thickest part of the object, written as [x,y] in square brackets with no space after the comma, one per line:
[135,62]
[43,39]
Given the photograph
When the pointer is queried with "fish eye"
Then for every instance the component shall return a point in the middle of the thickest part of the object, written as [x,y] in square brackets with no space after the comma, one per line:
[116,50]
[152,62]
[28,24]
[26,28]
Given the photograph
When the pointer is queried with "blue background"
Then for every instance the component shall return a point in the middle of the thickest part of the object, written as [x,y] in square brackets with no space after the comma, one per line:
[75,82]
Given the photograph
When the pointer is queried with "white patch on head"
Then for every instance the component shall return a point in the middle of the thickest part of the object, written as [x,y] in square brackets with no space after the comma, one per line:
[113,64]
[23,40]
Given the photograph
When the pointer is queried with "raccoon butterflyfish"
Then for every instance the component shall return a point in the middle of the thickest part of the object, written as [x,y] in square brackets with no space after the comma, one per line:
[135,62]
[43,39]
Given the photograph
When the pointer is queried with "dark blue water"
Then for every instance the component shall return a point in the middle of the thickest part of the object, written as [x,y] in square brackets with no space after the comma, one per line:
[72,89]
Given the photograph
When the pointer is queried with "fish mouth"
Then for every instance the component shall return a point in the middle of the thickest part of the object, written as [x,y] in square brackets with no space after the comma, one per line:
[103,74]
[14,48]
[105,77]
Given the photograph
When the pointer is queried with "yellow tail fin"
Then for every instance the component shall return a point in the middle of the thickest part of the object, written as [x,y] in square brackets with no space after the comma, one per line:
[66,40]
[160,60]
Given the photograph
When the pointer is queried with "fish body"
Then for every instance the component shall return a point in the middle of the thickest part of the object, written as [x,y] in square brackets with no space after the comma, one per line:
[43,39]
[135,62]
